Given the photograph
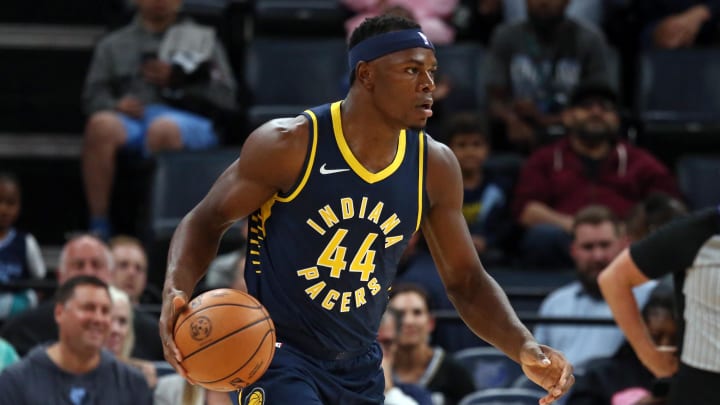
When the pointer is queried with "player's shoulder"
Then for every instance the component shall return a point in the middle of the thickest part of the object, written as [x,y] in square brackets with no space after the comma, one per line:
[438,151]
[281,132]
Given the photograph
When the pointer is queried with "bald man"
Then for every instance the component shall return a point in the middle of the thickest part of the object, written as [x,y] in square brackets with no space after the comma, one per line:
[82,255]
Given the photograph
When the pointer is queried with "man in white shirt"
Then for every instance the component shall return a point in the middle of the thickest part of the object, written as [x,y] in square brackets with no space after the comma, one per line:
[597,240]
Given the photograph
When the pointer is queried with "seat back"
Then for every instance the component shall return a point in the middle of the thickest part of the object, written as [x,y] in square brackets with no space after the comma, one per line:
[286,76]
[698,180]
[503,396]
[180,181]
[300,17]
[679,85]
[489,367]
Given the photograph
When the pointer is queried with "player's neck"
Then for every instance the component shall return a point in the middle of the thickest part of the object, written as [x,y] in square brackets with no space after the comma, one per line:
[361,120]
[72,361]
[371,139]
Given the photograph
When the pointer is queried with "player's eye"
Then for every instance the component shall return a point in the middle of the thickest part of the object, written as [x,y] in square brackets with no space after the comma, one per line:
[411,70]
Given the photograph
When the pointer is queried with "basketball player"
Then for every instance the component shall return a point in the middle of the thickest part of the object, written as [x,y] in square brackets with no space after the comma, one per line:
[333,196]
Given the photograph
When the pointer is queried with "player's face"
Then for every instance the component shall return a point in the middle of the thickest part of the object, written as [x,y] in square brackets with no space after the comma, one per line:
[84,320]
[85,256]
[130,271]
[417,324]
[9,204]
[471,151]
[403,86]
[593,248]
[119,327]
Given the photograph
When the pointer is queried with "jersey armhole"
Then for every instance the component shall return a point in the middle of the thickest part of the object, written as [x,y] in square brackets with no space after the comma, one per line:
[309,161]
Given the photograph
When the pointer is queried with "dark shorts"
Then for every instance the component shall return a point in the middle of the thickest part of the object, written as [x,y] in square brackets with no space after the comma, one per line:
[694,386]
[295,378]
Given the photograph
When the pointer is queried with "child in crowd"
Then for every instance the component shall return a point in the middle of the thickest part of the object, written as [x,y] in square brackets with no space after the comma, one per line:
[484,201]
[20,257]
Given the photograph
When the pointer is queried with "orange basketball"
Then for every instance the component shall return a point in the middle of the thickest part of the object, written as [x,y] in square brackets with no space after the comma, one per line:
[226,339]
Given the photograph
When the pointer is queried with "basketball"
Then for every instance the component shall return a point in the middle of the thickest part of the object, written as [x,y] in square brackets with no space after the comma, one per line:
[226,339]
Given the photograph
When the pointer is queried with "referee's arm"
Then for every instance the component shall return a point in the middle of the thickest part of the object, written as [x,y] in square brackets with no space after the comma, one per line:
[616,283]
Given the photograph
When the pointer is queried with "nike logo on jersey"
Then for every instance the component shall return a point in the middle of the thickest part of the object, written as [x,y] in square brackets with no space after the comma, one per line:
[323,170]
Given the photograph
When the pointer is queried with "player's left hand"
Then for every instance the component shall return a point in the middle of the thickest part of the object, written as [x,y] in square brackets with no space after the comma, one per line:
[547,368]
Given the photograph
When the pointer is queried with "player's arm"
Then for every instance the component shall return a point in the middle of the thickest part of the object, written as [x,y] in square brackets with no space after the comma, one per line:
[270,161]
[478,298]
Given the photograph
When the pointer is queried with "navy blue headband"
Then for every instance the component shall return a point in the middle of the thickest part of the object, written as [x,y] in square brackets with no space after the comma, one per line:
[383,44]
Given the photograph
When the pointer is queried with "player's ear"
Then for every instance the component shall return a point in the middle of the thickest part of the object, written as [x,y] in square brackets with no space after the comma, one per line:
[364,74]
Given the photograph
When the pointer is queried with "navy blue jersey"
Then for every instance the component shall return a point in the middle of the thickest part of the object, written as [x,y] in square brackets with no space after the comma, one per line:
[13,257]
[321,258]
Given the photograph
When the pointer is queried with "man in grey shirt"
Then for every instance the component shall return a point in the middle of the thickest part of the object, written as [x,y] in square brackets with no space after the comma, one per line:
[75,370]
[533,66]
[153,85]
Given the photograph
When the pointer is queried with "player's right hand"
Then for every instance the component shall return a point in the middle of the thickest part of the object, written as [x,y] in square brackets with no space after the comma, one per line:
[173,304]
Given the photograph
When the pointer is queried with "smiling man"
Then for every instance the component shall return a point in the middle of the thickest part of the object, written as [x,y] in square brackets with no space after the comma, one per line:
[75,368]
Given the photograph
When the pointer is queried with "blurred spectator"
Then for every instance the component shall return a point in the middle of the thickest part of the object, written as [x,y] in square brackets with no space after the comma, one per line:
[8,355]
[651,213]
[75,369]
[533,66]
[387,338]
[476,19]
[419,268]
[689,247]
[82,255]
[591,165]
[597,240]
[131,266]
[591,12]
[20,257]
[156,84]
[485,206]
[432,15]
[121,339]
[672,24]
[173,389]
[608,379]
[416,362]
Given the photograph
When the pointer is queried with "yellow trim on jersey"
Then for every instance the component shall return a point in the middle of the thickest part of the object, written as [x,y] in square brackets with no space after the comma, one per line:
[311,160]
[352,161]
[421,172]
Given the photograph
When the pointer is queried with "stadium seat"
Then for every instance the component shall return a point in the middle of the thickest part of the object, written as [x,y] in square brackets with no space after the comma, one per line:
[305,17]
[697,177]
[678,98]
[679,86]
[289,75]
[180,181]
[503,396]
[489,367]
